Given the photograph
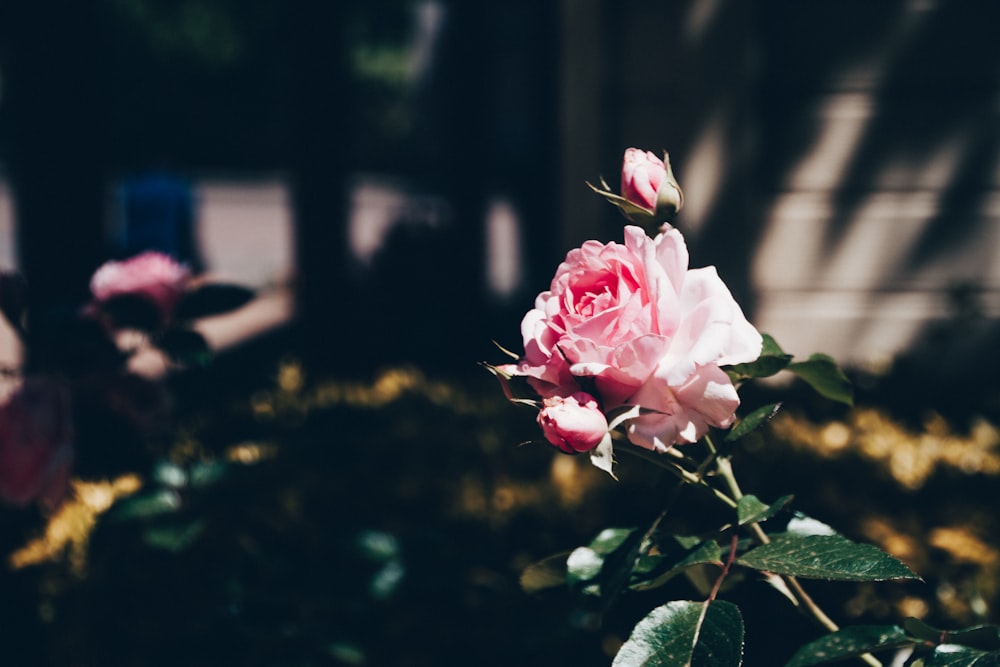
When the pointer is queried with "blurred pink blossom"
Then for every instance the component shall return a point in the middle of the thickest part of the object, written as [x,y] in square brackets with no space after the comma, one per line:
[151,275]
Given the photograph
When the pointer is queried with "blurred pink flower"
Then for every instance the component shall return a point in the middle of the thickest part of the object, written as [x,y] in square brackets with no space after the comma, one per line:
[151,275]
[643,330]
[36,450]
[573,423]
[642,175]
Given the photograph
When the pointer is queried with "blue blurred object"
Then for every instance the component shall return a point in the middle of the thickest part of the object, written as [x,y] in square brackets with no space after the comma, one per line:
[158,214]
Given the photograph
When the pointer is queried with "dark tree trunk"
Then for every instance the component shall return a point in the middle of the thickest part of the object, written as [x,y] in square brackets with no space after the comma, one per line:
[53,122]
[319,123]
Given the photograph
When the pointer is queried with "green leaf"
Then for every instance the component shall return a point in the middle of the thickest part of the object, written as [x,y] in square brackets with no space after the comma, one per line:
[387,580]
[750,509]
[185,346]
[582,568]
[377,545]
[146,505]
[212,299]
[772,359]
[170,474]
[682,633]
[985,637]
[822,374]
[174,538]
[654,571]
[953,655]
[850,643]
[604,566]
[544,574]
[753,421]
[831,557]
[770,347]
[347,653]
[610,540]
[207,473]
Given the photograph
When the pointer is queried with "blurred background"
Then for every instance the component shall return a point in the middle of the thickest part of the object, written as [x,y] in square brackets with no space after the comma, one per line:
[396,180]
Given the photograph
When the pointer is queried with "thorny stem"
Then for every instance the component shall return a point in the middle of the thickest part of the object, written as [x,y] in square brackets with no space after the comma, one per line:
[684,475]
[725,468]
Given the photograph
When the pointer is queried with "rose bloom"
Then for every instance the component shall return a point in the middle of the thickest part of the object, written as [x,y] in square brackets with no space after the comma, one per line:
[646,331]
[36,452]
[642,175]
[574,423]
[151,275]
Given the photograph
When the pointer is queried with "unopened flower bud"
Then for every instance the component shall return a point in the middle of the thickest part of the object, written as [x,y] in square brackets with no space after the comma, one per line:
[650,195]
[642,174]
[573,423]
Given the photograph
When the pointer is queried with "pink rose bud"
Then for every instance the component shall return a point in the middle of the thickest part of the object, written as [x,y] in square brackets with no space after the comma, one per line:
[642,175]
[573,423]
[152,276]
[649,182]
[36,451]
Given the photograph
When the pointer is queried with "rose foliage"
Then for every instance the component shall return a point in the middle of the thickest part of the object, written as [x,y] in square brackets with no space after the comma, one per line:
[632,351]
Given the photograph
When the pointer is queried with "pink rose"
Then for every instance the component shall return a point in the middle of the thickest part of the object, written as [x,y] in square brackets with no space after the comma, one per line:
[644,330]
[573,423]
[36,451]
[642,175]
[152,276]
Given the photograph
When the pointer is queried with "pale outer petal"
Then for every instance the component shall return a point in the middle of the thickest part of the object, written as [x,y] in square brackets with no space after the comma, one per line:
[683,414]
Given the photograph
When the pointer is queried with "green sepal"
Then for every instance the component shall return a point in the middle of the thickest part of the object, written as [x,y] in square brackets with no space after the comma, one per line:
[630,210]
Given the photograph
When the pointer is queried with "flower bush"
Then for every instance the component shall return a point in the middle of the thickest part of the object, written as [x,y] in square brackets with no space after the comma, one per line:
[661,350]
[75,399]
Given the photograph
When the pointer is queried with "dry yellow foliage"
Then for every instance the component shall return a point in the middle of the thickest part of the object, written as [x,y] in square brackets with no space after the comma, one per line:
[68,530]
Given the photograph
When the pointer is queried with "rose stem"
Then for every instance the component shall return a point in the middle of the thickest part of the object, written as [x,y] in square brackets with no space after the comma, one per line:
[725,468]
